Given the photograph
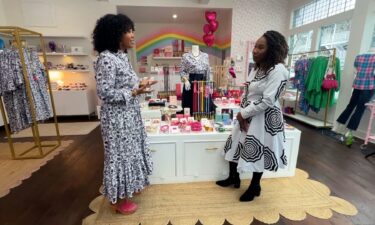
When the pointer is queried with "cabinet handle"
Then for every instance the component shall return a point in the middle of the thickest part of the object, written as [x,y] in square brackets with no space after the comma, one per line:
[153,150]
[210,149]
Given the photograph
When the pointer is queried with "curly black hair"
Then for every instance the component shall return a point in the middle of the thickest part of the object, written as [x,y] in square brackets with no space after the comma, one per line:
[277,50]
[109,30]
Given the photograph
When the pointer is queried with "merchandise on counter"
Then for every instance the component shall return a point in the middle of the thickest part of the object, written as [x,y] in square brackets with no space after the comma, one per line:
[164,129]
[187,111]
[174,129]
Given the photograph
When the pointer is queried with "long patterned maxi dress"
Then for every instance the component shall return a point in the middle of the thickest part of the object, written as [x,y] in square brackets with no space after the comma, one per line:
[262,147]
[127,158]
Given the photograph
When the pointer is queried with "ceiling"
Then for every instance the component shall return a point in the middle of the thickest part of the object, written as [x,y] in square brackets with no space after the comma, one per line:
[145,14]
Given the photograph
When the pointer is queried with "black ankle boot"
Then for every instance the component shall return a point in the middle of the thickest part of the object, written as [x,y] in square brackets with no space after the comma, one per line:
[254,188]
[250,194]
[233,179]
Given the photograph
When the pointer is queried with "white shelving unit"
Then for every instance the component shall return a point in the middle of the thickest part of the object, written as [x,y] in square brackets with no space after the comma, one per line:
[74,102]
[198,157]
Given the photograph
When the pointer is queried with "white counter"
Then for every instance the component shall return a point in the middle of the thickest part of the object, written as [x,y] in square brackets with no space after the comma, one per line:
[194,157]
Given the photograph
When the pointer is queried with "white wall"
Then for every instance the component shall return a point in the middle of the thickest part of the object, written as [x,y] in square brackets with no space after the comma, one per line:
[251,18]
[73,18]
[2,14]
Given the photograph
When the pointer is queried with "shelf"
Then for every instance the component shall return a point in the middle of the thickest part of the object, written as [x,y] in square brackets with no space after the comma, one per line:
[167,58]
[62,54]
[72,71]
[308,120]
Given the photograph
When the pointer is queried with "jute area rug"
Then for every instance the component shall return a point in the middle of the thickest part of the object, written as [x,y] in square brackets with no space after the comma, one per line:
[66,129]
[185,204]
[13,172]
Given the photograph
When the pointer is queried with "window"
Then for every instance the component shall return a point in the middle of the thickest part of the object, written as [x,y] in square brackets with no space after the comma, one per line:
[373,39]
[299,43]
[320,9]
[336,36]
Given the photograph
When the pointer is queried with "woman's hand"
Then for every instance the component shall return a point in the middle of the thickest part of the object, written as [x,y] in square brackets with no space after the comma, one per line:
[142,90]
[147,82]
[244,125]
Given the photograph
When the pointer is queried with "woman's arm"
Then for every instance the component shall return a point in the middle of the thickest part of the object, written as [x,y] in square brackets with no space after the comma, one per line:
[275,85]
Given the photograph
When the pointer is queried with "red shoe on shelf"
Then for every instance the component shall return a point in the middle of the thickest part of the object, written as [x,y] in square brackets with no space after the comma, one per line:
[126,207]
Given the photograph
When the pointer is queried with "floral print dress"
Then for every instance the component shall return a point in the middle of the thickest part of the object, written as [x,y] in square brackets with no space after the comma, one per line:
[127,158]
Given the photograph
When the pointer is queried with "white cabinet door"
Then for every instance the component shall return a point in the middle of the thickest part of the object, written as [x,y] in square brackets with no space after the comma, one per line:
[204,160]
[74,102]
[164,158]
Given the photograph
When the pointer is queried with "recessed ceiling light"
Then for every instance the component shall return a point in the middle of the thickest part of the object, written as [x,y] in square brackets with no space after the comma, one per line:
[174,16]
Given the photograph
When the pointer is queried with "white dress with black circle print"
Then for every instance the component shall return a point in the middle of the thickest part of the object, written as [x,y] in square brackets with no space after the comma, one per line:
[127,158]
[262,147]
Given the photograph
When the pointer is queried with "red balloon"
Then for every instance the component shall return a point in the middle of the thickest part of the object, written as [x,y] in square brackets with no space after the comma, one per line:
[209,39]
[210,16]
[214,25]
[207,28]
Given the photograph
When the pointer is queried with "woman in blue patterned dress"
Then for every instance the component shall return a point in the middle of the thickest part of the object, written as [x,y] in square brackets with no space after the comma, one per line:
[127,158]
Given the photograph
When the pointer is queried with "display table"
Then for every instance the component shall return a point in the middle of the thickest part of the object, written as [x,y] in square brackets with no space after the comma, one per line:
[195,157]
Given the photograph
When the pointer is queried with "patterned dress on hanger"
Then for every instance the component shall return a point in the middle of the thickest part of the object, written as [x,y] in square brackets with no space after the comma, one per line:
[262,147]
[127,158]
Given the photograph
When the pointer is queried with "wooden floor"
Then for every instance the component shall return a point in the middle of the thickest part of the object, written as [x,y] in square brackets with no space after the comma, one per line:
[60,192]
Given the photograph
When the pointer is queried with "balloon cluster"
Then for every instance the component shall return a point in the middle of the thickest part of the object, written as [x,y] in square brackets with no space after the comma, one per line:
[210,28]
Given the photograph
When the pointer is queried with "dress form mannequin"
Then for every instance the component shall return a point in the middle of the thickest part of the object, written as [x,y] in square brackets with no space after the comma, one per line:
[195,50]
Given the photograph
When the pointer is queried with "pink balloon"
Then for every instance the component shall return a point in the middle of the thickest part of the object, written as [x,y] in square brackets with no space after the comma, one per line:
[209,39]
[214,25]
[210,16]
[207,28]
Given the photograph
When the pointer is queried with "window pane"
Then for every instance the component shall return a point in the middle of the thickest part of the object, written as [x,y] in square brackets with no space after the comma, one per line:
[336,36]
[373,39]
[308,15]
[350,4]
[298,16]
[321,9]
[300,42]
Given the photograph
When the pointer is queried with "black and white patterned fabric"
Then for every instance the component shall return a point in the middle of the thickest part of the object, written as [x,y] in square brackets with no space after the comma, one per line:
[195,65]
[262,147]
[13,88]
[127,162]
[274,123]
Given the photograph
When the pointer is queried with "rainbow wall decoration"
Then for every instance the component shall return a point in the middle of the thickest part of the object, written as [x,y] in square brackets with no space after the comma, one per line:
[162,38]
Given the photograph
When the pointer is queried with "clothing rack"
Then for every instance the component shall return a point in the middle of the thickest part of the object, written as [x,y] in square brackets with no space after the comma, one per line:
[43,149]
[306,119]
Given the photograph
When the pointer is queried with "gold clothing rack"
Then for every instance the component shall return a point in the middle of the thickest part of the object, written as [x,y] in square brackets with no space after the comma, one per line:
[43,149]
[325,123]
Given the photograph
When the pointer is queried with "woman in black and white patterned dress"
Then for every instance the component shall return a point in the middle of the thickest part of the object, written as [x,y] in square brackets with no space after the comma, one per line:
[127,162]
[257,141]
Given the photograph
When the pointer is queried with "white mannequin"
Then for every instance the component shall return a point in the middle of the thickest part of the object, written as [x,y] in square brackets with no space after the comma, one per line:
[195,50]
